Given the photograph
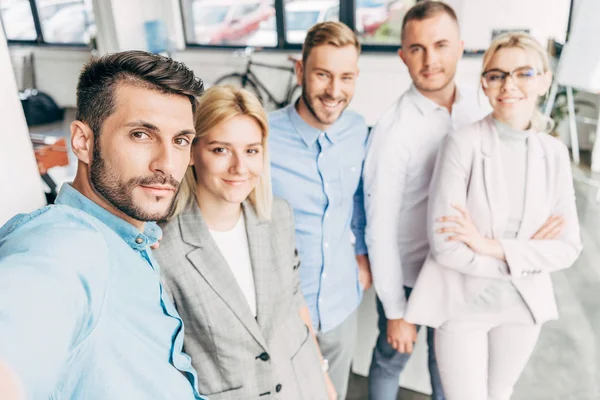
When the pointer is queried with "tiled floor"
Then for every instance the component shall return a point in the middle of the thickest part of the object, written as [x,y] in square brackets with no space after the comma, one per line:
[566,362]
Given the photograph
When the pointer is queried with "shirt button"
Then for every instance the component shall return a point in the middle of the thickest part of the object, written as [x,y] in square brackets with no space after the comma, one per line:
[139,240]
[322,134]
[320,155]
[278,388]
[353,169]
[326,245]
[326,185]
[324,275]
[327,214]
[264,356]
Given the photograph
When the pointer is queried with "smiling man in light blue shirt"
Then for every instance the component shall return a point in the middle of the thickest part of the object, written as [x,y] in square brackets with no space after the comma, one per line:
[317,149]
[82,312]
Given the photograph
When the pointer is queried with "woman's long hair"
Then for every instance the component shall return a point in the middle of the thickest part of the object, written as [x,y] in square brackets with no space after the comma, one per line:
[524,41]
[217,105]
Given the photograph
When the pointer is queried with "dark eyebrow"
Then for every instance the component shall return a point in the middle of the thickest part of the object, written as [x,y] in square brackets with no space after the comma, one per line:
[143,124]
[154,128]
[186,132]
[412,46]
[442,41]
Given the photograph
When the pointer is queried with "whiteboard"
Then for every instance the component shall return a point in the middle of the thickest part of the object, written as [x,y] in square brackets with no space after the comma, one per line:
[579,64]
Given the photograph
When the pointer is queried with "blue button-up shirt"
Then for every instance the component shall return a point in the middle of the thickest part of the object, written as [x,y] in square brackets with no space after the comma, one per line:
[319,174]
[82,312]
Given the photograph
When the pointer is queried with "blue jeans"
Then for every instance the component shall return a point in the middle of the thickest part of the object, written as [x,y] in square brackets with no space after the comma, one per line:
[387,363]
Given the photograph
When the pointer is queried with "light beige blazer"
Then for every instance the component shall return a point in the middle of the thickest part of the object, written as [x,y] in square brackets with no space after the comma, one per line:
[469,172]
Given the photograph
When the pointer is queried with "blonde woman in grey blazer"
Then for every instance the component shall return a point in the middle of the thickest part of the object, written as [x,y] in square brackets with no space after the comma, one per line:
[228,260]
[502,218]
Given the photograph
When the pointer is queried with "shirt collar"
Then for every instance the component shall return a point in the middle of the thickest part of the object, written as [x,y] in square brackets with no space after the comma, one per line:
[69,196]
[426,105]
[309,133]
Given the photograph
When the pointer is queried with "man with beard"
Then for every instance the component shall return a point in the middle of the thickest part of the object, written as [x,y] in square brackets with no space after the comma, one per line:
[317,150]
[399,165]
[82,310]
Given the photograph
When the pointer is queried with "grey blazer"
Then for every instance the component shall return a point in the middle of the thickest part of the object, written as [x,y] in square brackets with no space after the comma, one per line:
[236,355]
[469,172]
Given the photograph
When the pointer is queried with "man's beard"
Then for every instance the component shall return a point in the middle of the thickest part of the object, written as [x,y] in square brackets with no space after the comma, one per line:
[120,193]
[311,108]
[443,86]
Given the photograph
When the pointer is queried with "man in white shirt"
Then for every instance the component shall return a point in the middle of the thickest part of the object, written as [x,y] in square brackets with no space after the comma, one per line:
[400,159]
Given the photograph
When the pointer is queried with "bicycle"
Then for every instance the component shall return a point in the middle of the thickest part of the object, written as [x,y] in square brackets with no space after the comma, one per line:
[249,81]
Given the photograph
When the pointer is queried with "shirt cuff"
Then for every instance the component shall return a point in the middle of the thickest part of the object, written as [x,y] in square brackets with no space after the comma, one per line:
[394,311]
[360,247]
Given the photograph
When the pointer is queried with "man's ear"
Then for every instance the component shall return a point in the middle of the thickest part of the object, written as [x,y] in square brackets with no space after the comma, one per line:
[299,72]
[401,55]
[82,141]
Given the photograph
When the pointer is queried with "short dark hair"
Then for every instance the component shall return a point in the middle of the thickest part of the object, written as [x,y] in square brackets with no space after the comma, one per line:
[101,76]
[427,9]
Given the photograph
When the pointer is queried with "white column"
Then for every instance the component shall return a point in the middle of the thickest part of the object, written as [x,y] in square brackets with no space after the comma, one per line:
[20,184]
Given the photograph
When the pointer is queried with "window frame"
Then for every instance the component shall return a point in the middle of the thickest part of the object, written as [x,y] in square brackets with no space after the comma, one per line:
[347,16]
[39,40]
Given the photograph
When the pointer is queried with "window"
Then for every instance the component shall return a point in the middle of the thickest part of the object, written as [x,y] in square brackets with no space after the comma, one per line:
[378,22]
[48,21]
[17,20]
[66,21]
[230,22]
[300,15]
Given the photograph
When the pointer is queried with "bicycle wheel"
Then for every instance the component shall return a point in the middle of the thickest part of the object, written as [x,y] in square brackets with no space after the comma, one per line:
[239,81]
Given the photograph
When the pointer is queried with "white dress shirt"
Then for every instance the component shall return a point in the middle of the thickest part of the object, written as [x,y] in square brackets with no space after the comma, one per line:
[401,155]
[233,245]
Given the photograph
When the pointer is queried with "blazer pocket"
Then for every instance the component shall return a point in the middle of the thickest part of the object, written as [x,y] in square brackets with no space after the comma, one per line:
[219,371]
[308,371]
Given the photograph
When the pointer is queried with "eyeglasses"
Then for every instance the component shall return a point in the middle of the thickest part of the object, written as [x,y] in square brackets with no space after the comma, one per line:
[496,78]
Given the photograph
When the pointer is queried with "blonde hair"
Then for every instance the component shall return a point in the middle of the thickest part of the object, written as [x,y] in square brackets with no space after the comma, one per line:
[329,32]
[523,41]
[217,105]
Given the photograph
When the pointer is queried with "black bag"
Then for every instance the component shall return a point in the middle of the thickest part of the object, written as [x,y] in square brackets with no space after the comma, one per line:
[39,108]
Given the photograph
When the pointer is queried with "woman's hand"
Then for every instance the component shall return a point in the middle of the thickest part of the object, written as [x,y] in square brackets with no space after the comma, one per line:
[551,229]
[463,230]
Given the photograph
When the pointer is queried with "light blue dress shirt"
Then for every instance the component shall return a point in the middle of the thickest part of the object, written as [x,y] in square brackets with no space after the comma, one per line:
[319,174]
[82,312]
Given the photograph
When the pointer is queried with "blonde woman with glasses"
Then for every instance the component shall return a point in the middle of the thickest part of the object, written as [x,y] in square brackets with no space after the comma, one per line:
[228,259]
[502,218]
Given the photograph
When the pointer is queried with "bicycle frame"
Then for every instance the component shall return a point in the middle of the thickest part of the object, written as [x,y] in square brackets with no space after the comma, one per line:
[252,77]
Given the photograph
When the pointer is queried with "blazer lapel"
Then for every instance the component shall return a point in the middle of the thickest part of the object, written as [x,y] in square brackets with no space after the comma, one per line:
[495,184]
[535,190]
[210,263]
[260,255]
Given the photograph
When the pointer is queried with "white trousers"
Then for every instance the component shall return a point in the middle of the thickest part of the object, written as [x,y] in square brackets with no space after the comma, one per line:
[481,354]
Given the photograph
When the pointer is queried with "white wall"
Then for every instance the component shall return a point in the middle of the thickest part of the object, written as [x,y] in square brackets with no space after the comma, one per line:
[21,189]
[544,19]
